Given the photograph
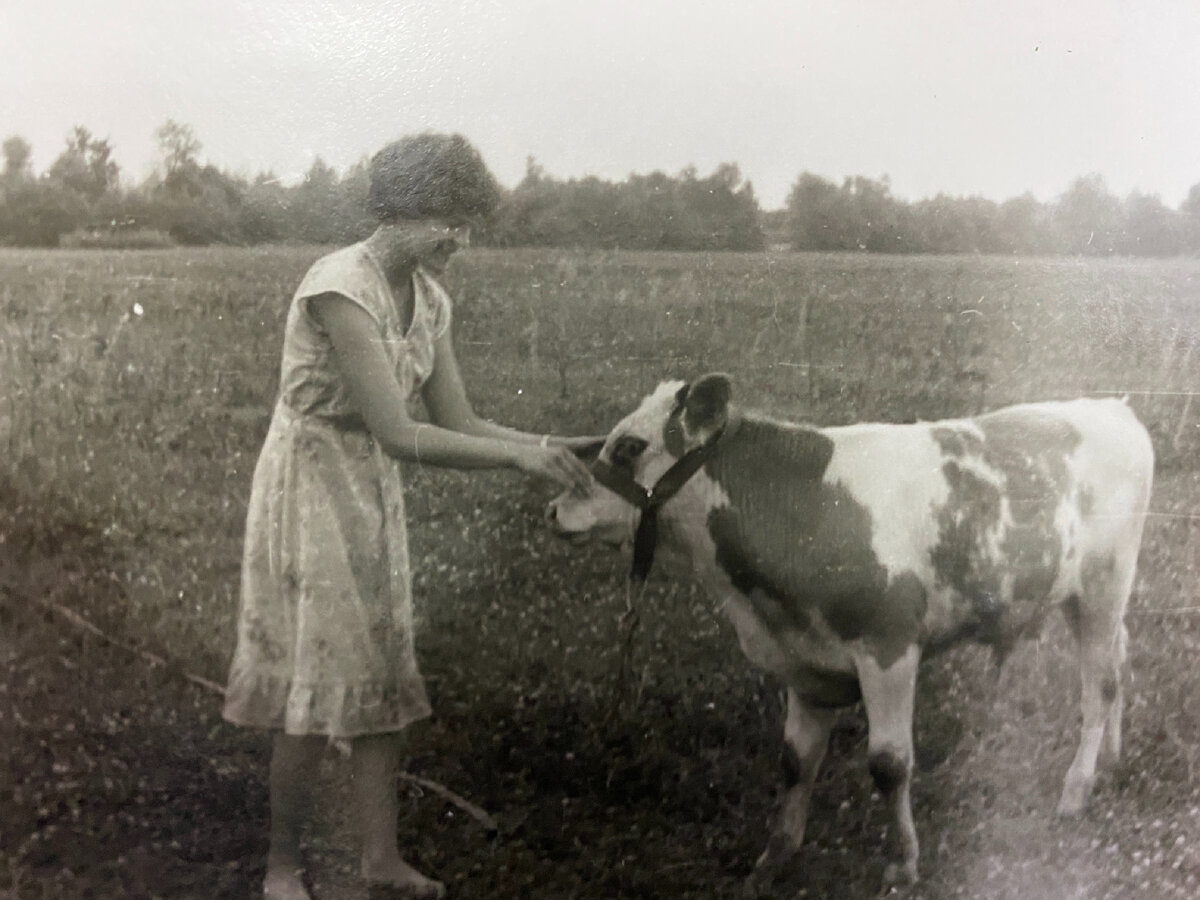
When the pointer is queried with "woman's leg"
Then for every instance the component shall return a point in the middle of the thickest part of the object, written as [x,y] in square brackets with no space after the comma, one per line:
[376,760]
[295,760]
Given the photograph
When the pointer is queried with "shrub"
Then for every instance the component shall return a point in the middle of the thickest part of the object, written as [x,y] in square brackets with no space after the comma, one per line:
[117,239]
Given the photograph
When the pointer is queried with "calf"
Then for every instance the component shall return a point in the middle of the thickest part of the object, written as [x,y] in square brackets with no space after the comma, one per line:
[842,555]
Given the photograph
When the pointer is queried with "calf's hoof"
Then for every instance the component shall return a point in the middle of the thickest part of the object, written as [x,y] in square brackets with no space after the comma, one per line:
[426,890]
[1074,797]
[1109,757]
[900,874]
[283,883]
[778,853]
[780,849]
[760,885]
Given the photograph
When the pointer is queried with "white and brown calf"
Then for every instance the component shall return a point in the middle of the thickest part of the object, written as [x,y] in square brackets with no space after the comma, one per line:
[841,555]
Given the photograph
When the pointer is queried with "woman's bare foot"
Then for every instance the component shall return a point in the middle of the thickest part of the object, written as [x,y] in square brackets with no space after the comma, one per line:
[285,882]
[376,758]
[396,878]
[295,760]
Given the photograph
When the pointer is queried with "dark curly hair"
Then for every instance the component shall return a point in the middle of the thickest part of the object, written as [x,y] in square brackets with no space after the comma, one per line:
[431,176]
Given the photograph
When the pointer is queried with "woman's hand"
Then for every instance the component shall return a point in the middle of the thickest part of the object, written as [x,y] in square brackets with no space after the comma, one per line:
[555,462]
[585,445]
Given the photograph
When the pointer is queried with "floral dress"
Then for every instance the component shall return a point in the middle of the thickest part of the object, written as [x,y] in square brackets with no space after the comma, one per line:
[325,631]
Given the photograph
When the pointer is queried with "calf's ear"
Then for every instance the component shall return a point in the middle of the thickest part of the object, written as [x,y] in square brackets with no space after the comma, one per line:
[706,407]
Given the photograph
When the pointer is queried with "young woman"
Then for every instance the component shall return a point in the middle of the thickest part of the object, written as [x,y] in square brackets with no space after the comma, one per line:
[325,634]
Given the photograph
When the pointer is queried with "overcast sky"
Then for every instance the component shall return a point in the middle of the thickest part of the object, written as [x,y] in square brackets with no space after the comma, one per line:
[991,97]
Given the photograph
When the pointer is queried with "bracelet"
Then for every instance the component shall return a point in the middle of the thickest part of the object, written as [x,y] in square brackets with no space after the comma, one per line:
[545,441]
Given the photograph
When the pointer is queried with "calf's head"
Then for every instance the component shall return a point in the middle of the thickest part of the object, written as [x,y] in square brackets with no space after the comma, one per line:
[675,418]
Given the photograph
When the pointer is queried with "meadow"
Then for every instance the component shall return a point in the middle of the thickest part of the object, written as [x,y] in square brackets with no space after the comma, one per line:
[136,391]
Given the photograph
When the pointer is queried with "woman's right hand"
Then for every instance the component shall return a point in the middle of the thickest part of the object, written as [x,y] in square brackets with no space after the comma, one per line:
[555,462]
[584,445]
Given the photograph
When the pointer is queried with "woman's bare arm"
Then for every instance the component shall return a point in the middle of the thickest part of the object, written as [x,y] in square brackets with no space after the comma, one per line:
[373,388]
[448,404]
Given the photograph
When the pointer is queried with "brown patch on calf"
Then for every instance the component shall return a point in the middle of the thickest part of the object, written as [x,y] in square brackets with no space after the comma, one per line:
[673,438]
[705,403]
[1108,690]
[824,689]
[906,595]
[959,558]
[1028,454]
[1073,613]
[888,770]
[803,544]
[792,767]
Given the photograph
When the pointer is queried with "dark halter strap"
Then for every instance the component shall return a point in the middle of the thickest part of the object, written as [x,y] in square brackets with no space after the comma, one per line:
[648,501]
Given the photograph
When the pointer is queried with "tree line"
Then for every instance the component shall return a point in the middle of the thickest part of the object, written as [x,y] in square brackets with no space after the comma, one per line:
[862,214]
[81,200]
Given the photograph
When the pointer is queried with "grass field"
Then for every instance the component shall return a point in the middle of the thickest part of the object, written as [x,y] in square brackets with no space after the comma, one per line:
[136,393]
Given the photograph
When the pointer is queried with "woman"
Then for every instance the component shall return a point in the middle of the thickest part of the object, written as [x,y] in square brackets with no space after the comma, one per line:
[325,634]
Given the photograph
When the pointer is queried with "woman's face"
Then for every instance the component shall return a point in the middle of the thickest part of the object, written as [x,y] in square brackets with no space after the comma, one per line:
[434,241]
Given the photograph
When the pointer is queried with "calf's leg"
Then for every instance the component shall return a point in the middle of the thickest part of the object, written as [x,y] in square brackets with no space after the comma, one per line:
[1110,749]
[806,737]
[888,695]
[1097,620]
[1100,680]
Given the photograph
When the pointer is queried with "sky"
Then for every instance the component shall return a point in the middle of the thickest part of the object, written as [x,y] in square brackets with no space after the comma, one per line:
[963,97]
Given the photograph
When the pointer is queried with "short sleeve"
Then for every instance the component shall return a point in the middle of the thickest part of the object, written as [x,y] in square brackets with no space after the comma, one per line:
[347,273]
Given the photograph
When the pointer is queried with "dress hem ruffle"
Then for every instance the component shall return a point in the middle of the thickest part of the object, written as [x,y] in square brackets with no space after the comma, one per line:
[333,710]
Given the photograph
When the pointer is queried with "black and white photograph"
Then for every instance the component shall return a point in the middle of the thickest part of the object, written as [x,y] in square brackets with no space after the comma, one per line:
[530,450]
